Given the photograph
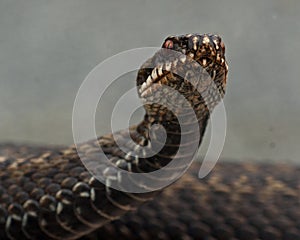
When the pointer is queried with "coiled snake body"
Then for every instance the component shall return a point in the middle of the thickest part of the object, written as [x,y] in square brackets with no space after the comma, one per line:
[47,193]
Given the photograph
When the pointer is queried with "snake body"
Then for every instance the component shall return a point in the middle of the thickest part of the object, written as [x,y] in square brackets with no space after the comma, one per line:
[47,193]
[235,201]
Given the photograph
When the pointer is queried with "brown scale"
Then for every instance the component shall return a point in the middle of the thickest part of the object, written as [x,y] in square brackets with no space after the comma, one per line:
[202,210]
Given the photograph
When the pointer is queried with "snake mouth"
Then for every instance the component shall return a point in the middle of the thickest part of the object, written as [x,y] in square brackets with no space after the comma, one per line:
[158,75]
[157,78]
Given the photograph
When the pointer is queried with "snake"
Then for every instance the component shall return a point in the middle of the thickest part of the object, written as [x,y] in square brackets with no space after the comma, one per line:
[77,192]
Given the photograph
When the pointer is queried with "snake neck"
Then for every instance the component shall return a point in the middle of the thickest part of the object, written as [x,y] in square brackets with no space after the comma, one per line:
[152,124]
[162,135]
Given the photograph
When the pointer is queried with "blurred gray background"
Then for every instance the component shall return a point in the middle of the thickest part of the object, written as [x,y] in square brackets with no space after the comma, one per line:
[48,47]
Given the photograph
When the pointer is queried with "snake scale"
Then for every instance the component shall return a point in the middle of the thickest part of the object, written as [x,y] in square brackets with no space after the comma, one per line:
[47,193]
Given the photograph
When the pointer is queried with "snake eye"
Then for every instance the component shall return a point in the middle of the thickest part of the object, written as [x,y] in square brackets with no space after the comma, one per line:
[169,44]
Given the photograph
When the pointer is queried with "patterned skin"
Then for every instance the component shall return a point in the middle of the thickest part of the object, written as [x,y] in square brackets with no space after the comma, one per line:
[49,194]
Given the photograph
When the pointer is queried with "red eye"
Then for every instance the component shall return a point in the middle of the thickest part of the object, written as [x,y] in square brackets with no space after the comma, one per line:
[168,44]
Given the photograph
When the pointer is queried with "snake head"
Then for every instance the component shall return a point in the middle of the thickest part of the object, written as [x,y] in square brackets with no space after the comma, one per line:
[189,64]
[206,49]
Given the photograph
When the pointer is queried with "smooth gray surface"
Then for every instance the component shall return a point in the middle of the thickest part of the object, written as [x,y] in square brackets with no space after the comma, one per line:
[48,47]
